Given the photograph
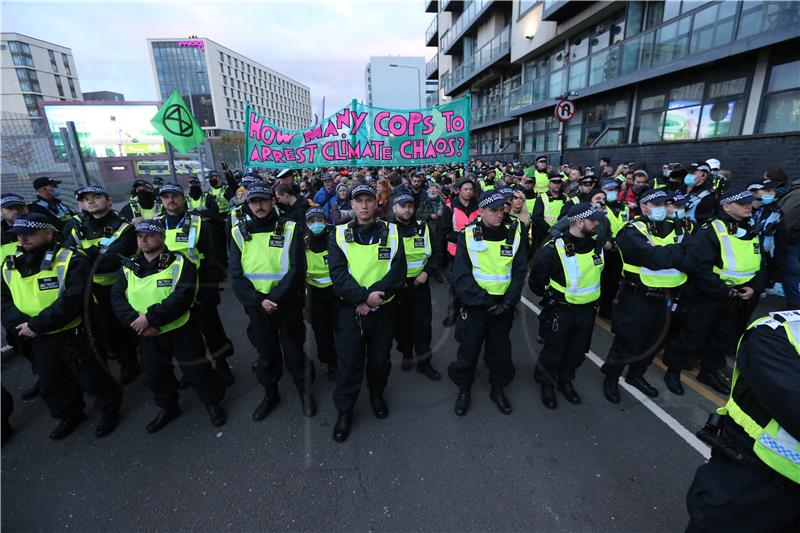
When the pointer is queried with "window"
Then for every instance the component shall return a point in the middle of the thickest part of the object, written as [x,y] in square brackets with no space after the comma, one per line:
[781,106]
[65,61]
[59,86]
[20,53]
[53,63]
[72,88]
[599,125]
[32,102]
[759,17]
[540,134]
[672,41]
[713,26]
[28,82]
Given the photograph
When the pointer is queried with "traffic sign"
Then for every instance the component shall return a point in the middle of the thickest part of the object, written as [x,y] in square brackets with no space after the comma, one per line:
[565,110]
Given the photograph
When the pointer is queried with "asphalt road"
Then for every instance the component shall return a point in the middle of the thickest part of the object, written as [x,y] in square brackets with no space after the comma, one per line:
[593,467]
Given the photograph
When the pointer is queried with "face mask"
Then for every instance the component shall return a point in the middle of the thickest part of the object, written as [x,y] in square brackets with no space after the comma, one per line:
[638,188]
[146,198]
[767,199]
[611,199]
[599,205]
[741,232]
[680,213]
[657,214]
[195,191]
[690,180]
[56,192]
[316,227]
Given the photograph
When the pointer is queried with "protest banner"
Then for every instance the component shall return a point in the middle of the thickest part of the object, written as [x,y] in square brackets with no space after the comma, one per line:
[362,135]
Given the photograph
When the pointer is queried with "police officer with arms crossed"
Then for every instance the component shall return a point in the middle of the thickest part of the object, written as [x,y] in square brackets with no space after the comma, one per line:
[652,273]
[153,295]
[189,234]
[414,331]
[42,300]
[567,272]
[752,481]
[726,273]
[368,269]
[268,267]
[324,304]
[105,237]
[488,275]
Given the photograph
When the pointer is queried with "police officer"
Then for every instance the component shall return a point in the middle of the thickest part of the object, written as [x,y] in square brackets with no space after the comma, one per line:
[323,302]
[676,211]
[726,275]
[142,203]
[12,206]
[153,296]
[488,276]
[368,269]
[104,237]
[268,267]
[567,271]
[189,234]
[652,274]
[541,176]
[201,203]
[462,210]
[48,204]
[413,333]
[752,481]
[701,201]
[548,208]
[42,300]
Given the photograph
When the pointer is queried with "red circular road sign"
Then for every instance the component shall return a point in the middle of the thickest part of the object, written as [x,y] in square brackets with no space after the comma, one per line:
[565,110]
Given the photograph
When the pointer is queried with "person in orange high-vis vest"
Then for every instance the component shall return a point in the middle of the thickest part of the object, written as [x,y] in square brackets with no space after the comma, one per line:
[462,210]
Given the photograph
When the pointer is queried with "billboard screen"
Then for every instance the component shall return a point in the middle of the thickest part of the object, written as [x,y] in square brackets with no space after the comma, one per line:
[107,130]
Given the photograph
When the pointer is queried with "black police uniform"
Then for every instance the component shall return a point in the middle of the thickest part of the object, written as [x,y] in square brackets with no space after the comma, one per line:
[736,490]
[706,200]
[110,338]
[184,343]
[540,227]
[65,364]
[363,340]
[277,337]
[56,211]
[21,345]
[323,309]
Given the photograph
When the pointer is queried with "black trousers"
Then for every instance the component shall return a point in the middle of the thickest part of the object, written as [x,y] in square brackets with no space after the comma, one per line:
[414,314]
[454,302]
[363,342]
[567,333]
[205,309]
[476,329]
[609,281]
[708,329]
[639,320]
[278,339]
[111,340]
[67,369]
[737,498]
[324,314]
[185,344]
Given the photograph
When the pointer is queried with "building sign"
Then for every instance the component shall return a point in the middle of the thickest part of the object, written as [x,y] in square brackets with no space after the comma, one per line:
[565,110]
[200,45]
[362,135]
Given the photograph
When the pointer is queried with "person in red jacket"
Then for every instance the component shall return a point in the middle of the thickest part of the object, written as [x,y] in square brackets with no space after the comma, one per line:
[462,210]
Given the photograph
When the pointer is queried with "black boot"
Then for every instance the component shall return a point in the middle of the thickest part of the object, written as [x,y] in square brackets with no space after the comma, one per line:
[549,396]
[164,417]
[406,362]
[31,392]
[129,371]
[426,369]
[107,424]
[342,428]
[67,425]
[379,406]
[611,389]
[308,405]
[498,396]
[217,414]
[716,380]
[640,383]
[462,403]
[224,371]
[271,399]
[672,379]
[569,393]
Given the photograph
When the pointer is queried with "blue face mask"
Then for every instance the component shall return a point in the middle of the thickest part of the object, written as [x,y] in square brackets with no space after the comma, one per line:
[56,192]
[680,213]
[657,214]
[316,227]
[690,180]
[767,199]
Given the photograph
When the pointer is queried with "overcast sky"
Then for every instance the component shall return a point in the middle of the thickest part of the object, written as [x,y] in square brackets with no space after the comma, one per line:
[324,44]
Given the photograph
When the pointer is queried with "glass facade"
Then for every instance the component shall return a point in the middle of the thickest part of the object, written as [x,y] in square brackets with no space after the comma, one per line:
[184,68]
[781,105]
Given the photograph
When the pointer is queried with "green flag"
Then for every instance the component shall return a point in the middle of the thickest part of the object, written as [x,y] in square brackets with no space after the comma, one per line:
[175,122]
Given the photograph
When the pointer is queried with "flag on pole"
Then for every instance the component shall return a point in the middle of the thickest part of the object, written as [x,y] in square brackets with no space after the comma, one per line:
[175,122]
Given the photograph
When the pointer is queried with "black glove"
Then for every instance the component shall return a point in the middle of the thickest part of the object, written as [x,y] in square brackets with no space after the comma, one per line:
[498,309]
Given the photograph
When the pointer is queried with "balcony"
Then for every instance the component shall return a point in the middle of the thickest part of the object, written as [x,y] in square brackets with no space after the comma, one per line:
[432,33]
[454,6]
[561,10]
[469,17]
[432,68]
[432,99]
[431,6]
[705,34]
[488,55]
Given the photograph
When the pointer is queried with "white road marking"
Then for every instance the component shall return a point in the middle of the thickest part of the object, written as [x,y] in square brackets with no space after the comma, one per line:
[665,417]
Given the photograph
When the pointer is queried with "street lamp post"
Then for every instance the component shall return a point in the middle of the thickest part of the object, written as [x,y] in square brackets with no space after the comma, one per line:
[419,80]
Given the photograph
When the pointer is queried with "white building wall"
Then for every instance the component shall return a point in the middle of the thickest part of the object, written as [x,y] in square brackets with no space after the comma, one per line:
[401,87]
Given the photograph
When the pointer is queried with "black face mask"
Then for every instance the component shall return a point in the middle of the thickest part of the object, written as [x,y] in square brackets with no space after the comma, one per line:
[195,191]
[147,199]
[214,183]
[639,188]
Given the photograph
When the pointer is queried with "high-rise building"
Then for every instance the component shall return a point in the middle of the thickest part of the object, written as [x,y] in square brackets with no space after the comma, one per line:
[103,96]
[218,82]
[396,82]
[34,71]
[652,81]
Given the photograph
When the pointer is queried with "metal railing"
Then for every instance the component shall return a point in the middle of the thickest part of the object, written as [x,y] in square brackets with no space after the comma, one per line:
[432,30]
[499,46]
[457,30]
[432,65]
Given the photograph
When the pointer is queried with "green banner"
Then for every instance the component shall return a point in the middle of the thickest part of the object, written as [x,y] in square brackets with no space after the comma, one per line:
[175,122]
[362,135]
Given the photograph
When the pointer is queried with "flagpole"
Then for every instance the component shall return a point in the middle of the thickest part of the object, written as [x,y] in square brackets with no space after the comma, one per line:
[171,161]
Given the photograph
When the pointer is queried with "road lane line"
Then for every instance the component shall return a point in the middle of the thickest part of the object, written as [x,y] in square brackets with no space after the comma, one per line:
[665,417]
